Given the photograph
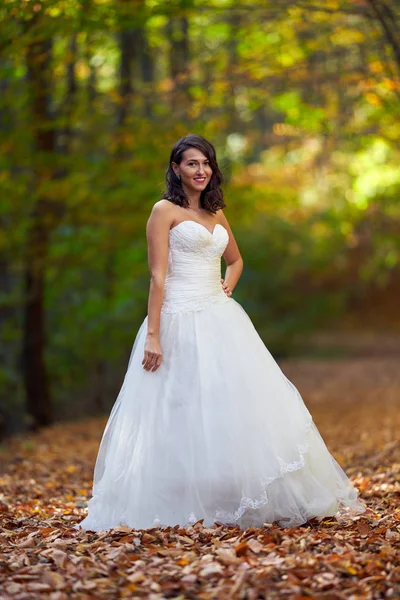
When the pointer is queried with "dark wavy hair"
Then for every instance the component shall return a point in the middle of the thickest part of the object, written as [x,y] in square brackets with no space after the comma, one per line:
[211,198]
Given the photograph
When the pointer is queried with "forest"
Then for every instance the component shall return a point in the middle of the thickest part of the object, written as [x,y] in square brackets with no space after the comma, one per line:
[302,101]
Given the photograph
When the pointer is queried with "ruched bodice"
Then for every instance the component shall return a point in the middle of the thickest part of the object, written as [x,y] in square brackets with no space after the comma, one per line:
[193,278]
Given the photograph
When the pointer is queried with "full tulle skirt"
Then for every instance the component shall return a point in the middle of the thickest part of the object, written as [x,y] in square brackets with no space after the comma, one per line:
[216,433]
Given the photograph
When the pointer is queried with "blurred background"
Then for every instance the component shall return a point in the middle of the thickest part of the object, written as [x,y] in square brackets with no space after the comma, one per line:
[302,102]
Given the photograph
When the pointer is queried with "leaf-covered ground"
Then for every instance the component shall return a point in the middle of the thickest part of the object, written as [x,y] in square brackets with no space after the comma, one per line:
[46,481]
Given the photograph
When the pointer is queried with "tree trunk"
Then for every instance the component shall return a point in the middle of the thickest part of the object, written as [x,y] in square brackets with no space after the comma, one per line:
[234,20]
[127,50]
[128,47]
[91,88]
[38,400]
[10,419]
[68,104]
[390,27]
[177,31]
[146,71]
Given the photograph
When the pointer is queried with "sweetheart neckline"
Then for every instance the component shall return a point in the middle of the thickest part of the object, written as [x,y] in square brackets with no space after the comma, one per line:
[201,225]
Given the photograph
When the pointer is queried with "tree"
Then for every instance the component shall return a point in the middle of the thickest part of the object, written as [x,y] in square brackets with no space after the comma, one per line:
[38,401]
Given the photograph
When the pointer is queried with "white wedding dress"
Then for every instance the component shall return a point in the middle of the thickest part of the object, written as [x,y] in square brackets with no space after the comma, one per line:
[217,432]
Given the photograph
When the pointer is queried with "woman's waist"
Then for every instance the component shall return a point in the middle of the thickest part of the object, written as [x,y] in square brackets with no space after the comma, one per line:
[192,294]
[192,289]
[197,278]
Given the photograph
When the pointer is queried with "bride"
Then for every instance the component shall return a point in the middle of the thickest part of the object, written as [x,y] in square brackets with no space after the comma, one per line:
[206,426]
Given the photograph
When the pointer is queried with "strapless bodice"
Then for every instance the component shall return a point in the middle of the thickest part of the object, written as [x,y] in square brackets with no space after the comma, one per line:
[193,278]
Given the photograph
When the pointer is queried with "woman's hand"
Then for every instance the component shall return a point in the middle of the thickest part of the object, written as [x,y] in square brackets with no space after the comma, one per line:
[226,288]
[152,353]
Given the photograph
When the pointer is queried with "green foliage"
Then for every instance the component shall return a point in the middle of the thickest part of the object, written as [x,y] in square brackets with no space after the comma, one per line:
[302,103]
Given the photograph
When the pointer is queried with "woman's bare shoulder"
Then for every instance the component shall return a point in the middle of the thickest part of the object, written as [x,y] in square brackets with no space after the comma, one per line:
[162,208]
[163,205]
[162,213]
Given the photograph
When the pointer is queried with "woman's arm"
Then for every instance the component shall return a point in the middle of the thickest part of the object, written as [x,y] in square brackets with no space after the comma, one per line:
[232,258]
[157,233]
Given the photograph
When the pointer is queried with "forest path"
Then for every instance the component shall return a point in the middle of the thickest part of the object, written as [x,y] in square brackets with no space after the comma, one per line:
[46,481]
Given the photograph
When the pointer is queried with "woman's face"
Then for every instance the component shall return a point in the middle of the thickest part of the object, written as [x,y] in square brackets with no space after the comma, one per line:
[194,169]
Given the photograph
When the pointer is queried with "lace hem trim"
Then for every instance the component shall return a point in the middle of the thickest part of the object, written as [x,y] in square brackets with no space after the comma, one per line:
[343,513]
[347,508]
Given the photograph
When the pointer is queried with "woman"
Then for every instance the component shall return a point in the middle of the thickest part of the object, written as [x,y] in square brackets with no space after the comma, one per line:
[206,425]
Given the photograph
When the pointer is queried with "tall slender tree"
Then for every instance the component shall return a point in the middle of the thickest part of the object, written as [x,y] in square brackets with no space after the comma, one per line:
[38,400]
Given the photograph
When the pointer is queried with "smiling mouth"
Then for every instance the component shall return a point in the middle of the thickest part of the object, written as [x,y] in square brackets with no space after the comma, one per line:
[200,179]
